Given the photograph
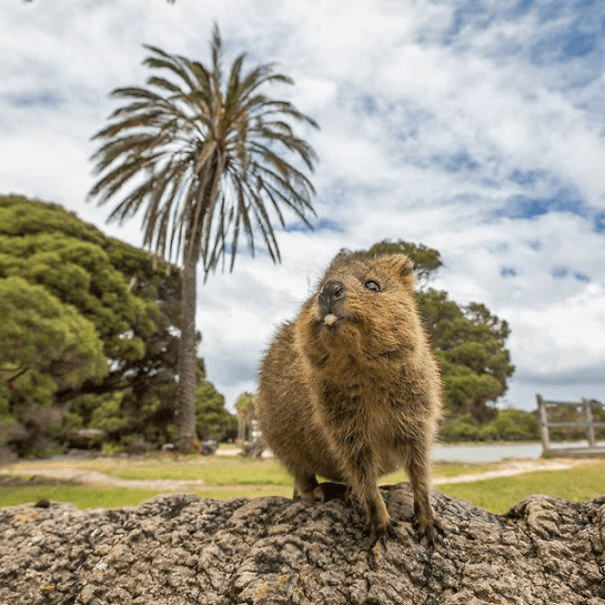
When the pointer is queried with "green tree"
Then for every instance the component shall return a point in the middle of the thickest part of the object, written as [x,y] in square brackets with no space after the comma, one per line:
[470,344]
[515,425]
[132,300]
[40,334]
[469,341]
[44,345]
[135,419]
[213,421]
[205,156]
[246,413]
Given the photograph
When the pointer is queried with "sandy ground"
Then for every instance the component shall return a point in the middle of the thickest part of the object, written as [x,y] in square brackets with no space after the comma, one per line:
[63,472]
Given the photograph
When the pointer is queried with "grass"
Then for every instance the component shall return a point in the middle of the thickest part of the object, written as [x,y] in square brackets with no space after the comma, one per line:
[233,477]
[577,484]
[79,495]
[216,470]
[212,470]
[446,469]
[24,490]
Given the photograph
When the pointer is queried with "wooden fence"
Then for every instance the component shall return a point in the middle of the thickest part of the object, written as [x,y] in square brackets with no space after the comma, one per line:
[588,424]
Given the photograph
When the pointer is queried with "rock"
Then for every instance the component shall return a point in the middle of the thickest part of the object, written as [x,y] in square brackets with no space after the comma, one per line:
[180,549]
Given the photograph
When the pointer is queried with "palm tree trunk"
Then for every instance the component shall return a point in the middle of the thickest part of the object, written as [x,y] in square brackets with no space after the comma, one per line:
[187,436]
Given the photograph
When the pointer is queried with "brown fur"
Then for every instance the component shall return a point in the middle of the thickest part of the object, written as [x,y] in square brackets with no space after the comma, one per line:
[357,399]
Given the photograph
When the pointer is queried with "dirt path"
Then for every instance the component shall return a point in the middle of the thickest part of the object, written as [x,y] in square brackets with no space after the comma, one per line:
[86,477]
[510,469]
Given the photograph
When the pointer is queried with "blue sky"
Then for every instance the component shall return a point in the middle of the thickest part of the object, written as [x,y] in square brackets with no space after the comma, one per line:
[476,127]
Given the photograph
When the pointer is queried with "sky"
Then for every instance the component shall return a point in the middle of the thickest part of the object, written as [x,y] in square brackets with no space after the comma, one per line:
[476,127]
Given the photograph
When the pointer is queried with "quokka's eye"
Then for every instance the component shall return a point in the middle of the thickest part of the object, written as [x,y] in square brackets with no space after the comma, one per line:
[370,284]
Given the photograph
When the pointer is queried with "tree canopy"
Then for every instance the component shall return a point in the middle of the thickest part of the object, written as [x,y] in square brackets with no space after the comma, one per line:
[88,332]
[112,285]
[470,343]
[44,344]
[211,149]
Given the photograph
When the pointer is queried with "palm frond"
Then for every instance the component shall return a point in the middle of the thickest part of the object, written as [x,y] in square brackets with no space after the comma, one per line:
[208,161]
[166,85]
[216,73]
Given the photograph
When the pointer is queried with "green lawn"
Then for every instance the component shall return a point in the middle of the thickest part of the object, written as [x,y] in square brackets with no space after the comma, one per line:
[233,477]
[577,484]
[216,470]
[446,469]
[212,470]
[116,497]
[81,496]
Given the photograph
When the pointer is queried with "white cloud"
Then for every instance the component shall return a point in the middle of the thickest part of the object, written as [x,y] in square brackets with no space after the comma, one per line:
[559,349]
[424,126]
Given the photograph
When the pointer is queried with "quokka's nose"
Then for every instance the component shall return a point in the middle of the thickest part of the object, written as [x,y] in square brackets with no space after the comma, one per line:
[333,292]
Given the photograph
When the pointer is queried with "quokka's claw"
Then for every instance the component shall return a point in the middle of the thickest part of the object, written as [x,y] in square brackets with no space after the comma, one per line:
[429,534]
[381,534]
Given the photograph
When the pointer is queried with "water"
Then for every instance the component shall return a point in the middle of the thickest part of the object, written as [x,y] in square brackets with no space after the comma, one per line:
[494,452]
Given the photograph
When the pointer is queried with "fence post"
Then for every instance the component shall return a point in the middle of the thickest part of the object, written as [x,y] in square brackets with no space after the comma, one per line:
[589,423]
[543,424]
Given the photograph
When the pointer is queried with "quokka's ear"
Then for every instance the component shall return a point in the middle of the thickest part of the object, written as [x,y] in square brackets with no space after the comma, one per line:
[407,266]
[402,266]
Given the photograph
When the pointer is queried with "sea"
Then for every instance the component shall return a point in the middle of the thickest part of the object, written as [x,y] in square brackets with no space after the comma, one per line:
[494,452]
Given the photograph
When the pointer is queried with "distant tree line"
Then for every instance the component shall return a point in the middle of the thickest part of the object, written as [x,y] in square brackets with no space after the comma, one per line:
[88,338]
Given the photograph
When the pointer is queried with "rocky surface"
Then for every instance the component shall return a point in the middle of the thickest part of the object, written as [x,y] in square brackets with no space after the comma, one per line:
[180,549]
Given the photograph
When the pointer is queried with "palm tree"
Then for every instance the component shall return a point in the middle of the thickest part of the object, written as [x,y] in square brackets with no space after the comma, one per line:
[205,157]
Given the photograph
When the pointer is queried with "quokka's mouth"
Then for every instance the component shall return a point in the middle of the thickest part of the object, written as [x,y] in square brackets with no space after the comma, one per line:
[330,319]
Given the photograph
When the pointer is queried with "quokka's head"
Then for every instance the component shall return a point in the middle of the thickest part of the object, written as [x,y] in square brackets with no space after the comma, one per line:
[365,303]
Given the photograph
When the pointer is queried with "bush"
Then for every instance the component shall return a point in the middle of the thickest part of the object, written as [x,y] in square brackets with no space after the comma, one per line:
[509,425]
[460,429]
